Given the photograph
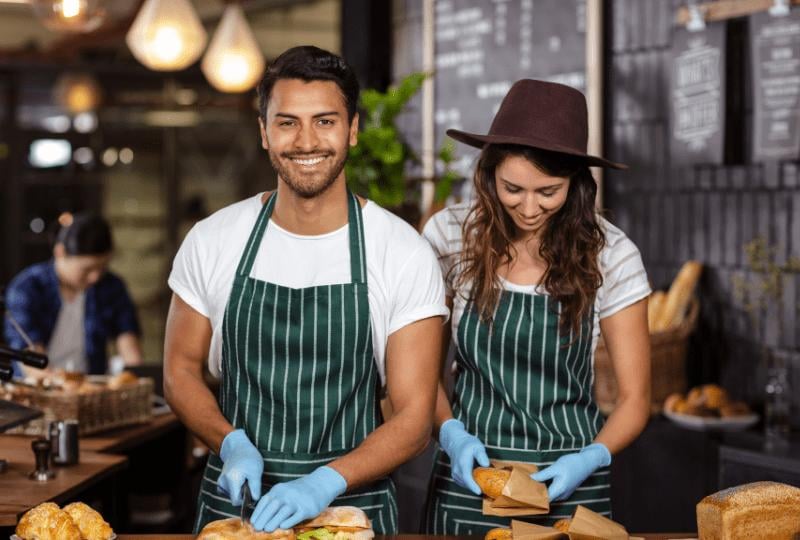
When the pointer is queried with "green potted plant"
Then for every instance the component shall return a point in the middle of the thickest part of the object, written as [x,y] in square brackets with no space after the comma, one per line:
[377,165]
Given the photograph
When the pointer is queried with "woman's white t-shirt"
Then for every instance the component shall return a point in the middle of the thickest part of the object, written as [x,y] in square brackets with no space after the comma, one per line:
[624,277]
[403,277]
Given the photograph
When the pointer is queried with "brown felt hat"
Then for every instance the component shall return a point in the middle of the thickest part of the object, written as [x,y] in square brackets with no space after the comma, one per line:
[543,115]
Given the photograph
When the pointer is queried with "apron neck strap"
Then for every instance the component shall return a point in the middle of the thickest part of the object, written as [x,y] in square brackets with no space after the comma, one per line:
[358,260]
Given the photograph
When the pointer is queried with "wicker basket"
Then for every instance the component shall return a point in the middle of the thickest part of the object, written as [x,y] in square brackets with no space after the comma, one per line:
[668,365]
[96,411]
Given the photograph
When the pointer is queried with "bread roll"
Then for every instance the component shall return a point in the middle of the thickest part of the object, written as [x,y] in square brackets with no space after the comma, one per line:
[696,398]
[678,297]
[235,529]
[654,306]
[734,408]
[763,510]
[672,402]
[89,521]
[344,522]
[500,533]
[122,379]
[714,396]
[47,522]
[491,480]
[562,525]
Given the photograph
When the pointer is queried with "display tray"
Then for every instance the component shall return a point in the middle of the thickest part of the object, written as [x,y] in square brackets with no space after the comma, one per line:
[701,423]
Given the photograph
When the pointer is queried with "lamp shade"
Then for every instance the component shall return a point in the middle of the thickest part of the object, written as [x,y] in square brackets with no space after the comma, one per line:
[69,15]
[233,62]
[166,35]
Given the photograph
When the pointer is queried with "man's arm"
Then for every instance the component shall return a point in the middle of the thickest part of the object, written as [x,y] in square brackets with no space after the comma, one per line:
[188,336]
[412,374]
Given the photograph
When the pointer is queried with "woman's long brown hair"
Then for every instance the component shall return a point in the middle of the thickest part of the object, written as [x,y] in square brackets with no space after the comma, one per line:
[570,243]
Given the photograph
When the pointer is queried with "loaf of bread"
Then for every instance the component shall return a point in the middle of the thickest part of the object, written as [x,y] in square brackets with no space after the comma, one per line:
[678,297]
[491,480]
[763,510]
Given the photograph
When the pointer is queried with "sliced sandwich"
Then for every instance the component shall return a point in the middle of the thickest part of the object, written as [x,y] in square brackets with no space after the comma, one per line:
[337,523]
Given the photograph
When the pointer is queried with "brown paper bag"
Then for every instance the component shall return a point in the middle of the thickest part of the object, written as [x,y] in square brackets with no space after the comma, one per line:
[521,496]
[588,525]
[529,531]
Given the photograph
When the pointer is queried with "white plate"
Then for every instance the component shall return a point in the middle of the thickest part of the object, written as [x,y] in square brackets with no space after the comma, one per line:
[700,423]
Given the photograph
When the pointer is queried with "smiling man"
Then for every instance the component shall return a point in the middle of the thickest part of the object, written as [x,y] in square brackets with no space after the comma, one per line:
[305,301]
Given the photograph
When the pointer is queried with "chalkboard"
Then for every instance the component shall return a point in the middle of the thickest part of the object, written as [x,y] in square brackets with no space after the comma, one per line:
[775,45]
[483,47]
[697,95]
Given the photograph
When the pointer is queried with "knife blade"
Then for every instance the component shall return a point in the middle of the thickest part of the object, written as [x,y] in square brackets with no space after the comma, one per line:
[247,502]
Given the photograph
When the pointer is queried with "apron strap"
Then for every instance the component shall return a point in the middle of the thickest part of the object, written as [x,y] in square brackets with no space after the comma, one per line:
[358,259]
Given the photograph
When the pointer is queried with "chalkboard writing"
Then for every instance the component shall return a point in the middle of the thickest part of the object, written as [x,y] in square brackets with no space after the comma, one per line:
[775,45]
[697,93]
[483,47]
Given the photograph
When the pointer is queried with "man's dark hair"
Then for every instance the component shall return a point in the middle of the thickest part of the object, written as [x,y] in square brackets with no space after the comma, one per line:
[88,234]
[309,63]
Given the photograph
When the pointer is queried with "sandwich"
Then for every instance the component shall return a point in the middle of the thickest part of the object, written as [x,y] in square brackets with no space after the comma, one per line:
[491,480]
[235,528]
[337,523]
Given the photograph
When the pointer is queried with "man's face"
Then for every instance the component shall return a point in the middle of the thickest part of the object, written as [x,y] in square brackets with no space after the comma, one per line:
[307,134]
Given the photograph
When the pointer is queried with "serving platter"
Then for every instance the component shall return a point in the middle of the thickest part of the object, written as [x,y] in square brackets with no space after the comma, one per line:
[702,423]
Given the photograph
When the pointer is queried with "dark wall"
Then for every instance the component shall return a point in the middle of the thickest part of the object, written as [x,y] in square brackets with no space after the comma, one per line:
[675,212]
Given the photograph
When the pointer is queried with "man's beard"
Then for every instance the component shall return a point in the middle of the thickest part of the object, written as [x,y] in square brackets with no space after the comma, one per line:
[305,186]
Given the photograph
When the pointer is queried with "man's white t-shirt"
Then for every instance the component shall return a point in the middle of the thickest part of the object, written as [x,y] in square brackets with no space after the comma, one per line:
[403,276]
[624,277]
[67,346]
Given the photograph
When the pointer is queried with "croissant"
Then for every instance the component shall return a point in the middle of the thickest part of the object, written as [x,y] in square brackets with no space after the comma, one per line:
[89,521]
[47,522]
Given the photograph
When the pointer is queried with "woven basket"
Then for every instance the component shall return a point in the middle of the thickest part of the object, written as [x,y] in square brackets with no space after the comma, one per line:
[668,365]
[96,411]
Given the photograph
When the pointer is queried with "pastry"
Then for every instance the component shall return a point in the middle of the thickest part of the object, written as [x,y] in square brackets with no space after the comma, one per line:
[89,521]
[47,522]
[491,480]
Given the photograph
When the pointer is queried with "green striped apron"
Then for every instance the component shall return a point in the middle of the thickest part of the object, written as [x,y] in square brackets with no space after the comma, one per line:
[298,376]
[525,391]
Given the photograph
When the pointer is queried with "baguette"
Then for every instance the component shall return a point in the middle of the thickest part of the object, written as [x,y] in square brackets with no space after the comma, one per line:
[679,296]
[654,306]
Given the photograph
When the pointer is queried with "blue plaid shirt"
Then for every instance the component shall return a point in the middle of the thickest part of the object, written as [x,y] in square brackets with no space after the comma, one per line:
[33,299]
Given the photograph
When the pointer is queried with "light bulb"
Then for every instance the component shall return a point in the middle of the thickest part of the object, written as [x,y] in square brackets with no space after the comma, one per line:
[69,15]
[166,35]
[233,62]
[77,92]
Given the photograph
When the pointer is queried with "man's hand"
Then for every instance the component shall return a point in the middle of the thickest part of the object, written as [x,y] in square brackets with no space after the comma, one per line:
[241,461]
[464,449]
[570,471]
[289,503]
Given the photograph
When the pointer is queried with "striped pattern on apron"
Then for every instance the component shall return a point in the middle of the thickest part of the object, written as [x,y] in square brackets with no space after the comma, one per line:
[298,376]
[525,391]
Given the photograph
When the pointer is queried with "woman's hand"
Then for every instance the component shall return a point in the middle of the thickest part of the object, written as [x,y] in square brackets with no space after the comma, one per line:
[464,449]
[572,470]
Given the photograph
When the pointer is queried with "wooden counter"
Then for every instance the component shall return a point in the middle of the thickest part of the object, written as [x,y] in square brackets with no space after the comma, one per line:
[18,493]
[97,462]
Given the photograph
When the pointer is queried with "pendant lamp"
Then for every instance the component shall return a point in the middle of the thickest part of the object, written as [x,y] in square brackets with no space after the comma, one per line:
[166,35]
[69,15]
[233,62]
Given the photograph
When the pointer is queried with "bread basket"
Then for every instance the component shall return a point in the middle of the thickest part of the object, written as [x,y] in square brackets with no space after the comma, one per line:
[668,365]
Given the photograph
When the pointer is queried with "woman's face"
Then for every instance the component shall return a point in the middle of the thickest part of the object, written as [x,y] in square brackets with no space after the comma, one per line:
[80,271]
[529,196]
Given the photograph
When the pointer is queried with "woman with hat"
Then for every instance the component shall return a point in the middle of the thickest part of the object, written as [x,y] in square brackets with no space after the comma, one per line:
[534,277]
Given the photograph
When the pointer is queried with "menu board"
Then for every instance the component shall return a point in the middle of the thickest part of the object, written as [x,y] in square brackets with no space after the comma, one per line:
[483,47]
[775,46]
[697,95]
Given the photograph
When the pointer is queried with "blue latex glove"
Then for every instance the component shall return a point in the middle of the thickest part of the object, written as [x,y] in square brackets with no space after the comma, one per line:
[464,449]
[570,471]
[289,503]
[241,461]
